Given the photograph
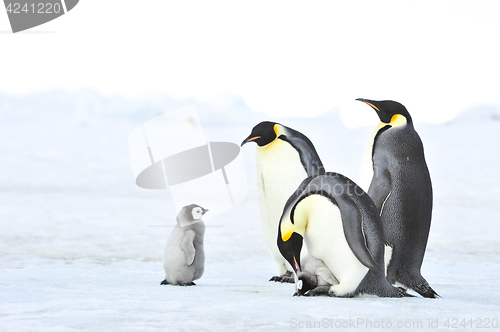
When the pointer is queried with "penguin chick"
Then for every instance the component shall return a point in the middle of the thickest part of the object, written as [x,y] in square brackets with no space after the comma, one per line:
[184,257]
[315,278]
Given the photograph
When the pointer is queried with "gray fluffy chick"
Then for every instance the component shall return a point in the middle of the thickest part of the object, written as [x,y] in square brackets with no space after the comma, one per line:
[184,257]
[315,278]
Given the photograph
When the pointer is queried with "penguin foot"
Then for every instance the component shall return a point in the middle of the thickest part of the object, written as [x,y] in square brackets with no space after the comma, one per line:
[286,277]
[404,292]
[165,282]
[385,289]
[282,279]
[401,292]
[392,291]
[426,291]
[421,286]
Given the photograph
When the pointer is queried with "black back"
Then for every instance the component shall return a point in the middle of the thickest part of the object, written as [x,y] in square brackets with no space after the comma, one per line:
[308,155]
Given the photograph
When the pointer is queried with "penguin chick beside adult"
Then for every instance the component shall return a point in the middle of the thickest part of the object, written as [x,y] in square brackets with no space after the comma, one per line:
[184,257]
[315,278]
[340,226]
[285,157]
[402,191]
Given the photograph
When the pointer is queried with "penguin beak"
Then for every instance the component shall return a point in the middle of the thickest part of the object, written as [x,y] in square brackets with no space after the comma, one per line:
[204,211]
[249,139]
[369,103]
[297,265]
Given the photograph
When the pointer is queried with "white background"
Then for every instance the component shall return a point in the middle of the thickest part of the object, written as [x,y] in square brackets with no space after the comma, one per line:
[281,57]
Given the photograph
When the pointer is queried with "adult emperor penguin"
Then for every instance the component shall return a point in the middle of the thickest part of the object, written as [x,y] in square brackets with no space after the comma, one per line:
[285,157]
[184,257]
[340,226]
[402,191]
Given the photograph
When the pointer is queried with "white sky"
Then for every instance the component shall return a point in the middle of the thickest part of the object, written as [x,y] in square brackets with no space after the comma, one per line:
[282,57]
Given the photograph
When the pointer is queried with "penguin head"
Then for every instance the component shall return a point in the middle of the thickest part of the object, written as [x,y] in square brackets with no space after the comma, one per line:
[264,133]
[290,238]
[197,212]
[290,249]
[305,282]
[388,111]
[191,214]
[292,226]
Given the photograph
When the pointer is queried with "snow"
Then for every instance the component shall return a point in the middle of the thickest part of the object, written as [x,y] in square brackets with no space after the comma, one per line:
[81,245]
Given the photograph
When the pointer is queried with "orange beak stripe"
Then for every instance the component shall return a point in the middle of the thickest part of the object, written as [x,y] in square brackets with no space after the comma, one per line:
[296,264]
[375,107]
[253,138]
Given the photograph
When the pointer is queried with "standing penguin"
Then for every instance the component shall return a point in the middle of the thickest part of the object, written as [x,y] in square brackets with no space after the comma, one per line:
[285,157]
[184,257]
[341,227]
[402,191]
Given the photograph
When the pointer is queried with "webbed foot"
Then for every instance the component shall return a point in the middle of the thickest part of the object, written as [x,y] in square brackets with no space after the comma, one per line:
[286,277]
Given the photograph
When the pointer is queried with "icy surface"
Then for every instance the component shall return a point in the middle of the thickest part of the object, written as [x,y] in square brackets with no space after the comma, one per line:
[81,245]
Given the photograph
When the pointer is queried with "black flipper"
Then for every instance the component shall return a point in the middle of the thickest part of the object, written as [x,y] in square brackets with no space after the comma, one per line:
[380,187]
[353,231]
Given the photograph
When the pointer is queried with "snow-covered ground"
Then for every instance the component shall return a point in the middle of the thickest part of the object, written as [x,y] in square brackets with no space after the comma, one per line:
[81,245]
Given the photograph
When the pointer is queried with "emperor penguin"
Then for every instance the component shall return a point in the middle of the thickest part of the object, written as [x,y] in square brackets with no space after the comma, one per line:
[340,226]
[285,157]
[402,192]
[184,257]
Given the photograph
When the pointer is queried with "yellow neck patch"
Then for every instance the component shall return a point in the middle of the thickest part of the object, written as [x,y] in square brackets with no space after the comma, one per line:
[279,130]
[398,120]
[287,236]
[301,217]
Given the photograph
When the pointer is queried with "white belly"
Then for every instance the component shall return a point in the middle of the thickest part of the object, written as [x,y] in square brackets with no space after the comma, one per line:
[279,173]
[325,240]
